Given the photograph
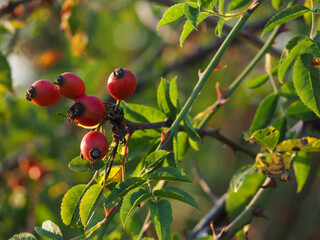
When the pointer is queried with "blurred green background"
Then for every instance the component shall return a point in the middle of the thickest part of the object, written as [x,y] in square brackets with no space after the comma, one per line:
[37,143]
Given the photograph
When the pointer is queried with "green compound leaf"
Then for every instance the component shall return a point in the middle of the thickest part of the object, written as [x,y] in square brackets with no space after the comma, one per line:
[285,16]
[235,4]
[172,14]
[191,11]
[154,158]
[267,137]
[188,27]
[265,112]
[130,201]
[301,166]
[294,48]
[306,144]
[89,202]
[123,188]
[177,194]
[161,215]
[23,236]
[70,203]
[299,111]
[169,174]
[306,82]
[82,165]
[49,230]
[5,72]
[164,100]
[238,178]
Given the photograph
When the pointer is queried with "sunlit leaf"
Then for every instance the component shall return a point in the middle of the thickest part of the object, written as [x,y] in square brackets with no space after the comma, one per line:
[173,92]
[169,174]
[267,137]
[89,202]
[235,4]
[23,236]
[172,14]
[191,11]
[154,159]
[219,27]
[161,215]
[281,125]
[301,166]
[285,16]
[50,230]
[276,4]
[307,84]
[70,203]
[82,165]
[306,144]
[238,178]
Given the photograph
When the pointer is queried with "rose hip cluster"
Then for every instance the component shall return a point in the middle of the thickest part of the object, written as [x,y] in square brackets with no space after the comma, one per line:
[87,110]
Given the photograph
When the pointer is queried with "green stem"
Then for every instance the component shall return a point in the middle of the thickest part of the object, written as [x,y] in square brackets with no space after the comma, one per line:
[117,105]
[246,216]
[212,65]
[312,21]
[236,83]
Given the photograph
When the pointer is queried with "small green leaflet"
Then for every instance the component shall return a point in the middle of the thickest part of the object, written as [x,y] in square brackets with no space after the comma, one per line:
[188,27]
[276,4]
[207,4]
[219,27]
[285,16]
[265,112]
[154,159]
[238,178]
[192,133]
[130,201]
[316,8]
[191,11]
[164,99]
[260,80]
[169,174]
[161,215]
[70,203]
[235,4]
[49,230]
[89,202]
[299,111]
[281,125]
[23,236]
[82,165]
[306,82]
[301,167]
[172,14]
[267,137]
[173,92]
[177,194]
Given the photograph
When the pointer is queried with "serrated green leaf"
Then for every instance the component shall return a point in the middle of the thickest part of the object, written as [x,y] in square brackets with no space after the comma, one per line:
[316,8]
[301,166]
[5,72]
[23,236]
[81,165]
[154,159]
[306,144]
[267,137]
[174,95]
[161,215]
[306,82]
[299,111]
[169,174]
[264,112]
[285,16]
[188,127]
[130,201]
[49,230]
[172,14]
[238,178]
[235,4]
[188,27]
[177,194]
[219,27]
[191,11]
[296,47]
[70,203]
[164,100]
[89,202]
[123,188]
[236,202]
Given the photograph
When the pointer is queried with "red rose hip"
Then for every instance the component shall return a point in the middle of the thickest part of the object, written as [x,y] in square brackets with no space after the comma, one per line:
[87,110]
[70,85]
[43,93]
[121,84]
[94,146]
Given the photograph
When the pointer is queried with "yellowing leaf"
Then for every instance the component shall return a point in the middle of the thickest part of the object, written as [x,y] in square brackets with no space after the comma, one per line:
[114,175]
[49,58]
[306,144]
[79,42]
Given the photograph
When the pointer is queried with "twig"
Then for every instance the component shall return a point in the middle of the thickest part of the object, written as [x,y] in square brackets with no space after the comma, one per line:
[205,186]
